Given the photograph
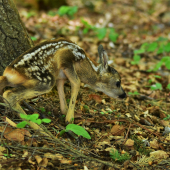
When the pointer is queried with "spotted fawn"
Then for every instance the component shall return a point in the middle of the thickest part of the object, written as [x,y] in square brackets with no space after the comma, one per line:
[52,62]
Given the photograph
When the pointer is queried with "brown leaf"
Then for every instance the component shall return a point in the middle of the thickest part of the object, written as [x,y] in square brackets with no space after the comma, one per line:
[154,144]
[159,154]
[15,135]
[96,97]
[129,142]
[38,158]
[117,130]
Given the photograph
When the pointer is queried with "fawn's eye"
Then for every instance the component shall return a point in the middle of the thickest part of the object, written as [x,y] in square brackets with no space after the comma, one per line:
[118,83]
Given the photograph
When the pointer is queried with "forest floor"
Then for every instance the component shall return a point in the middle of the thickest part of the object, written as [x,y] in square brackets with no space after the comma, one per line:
[133,133]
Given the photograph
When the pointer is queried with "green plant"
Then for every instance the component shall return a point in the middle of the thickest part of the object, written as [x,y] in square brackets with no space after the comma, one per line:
[30,14]
[8,155]
[86,108]
[161,46]
[167,118]
[99,32]
[157,86]
[78,130]
[67,10]
[133,93]
[33,118]
[42,109]
[136,59]
[165,60]
[168,86]
[116,156]
[33,38]
[52,13]
[140,146]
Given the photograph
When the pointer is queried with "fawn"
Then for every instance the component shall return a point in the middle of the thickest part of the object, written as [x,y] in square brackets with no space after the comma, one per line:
[36,71]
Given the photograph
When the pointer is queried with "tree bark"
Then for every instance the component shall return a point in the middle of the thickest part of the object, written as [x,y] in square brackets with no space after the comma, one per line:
[14,39]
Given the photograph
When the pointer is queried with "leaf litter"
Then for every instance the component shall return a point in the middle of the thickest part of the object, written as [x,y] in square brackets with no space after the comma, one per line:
[138,126]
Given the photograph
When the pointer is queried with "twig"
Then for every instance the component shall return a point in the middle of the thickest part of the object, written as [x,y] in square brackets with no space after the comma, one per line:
[127,133]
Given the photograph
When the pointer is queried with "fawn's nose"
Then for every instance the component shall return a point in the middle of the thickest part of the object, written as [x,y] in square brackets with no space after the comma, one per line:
[122,96]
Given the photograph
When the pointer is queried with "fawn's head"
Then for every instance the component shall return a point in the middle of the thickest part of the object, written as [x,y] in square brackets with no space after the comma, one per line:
[109,81]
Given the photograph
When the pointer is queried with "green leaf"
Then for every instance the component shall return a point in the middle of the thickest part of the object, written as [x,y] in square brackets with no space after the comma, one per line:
[23,116]
[158,65]
[33,38]
[46,120]
[34,117]
[52,13]
[63,10]
[159,77]
[22,124]
[162,39]
[62,132]
[72,10]
[113,35]
[101,33]
[133,93]
[167,47]
[160,50]
[136,58]
[85,30]
[42,109]
[38,121]
[149,81]
[167,64]
[144,45]
[78,130]
[152,47]
[157,86]
[165,58]
[140,51]
[168,86]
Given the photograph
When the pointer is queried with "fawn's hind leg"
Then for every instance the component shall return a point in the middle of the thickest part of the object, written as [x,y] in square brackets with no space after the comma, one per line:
[15,95]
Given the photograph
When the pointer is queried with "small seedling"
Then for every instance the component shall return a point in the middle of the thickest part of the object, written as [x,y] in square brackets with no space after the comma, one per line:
[33,38]
[33,118]
[136,59]
[116,156]
[78,130]
[168,86]
[8,155]
[167,118]
[157,86]
[100,32]
[67,10]
[133,93]
[42,109]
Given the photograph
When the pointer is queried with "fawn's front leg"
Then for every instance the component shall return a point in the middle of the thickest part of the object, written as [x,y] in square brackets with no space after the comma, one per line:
[63,103]
[75,86]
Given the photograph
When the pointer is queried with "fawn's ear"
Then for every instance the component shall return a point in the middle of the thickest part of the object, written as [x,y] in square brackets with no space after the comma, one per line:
[103,58]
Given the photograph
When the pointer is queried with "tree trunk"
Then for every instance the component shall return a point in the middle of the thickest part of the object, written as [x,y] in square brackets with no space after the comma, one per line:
[14,39]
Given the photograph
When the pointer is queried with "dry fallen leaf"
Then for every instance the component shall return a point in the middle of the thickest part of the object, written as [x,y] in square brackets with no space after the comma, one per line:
[117,130]
[159,154]
[16,134]
[44,162]
[38,158]
[96,97]
[129,142]
[154,144]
